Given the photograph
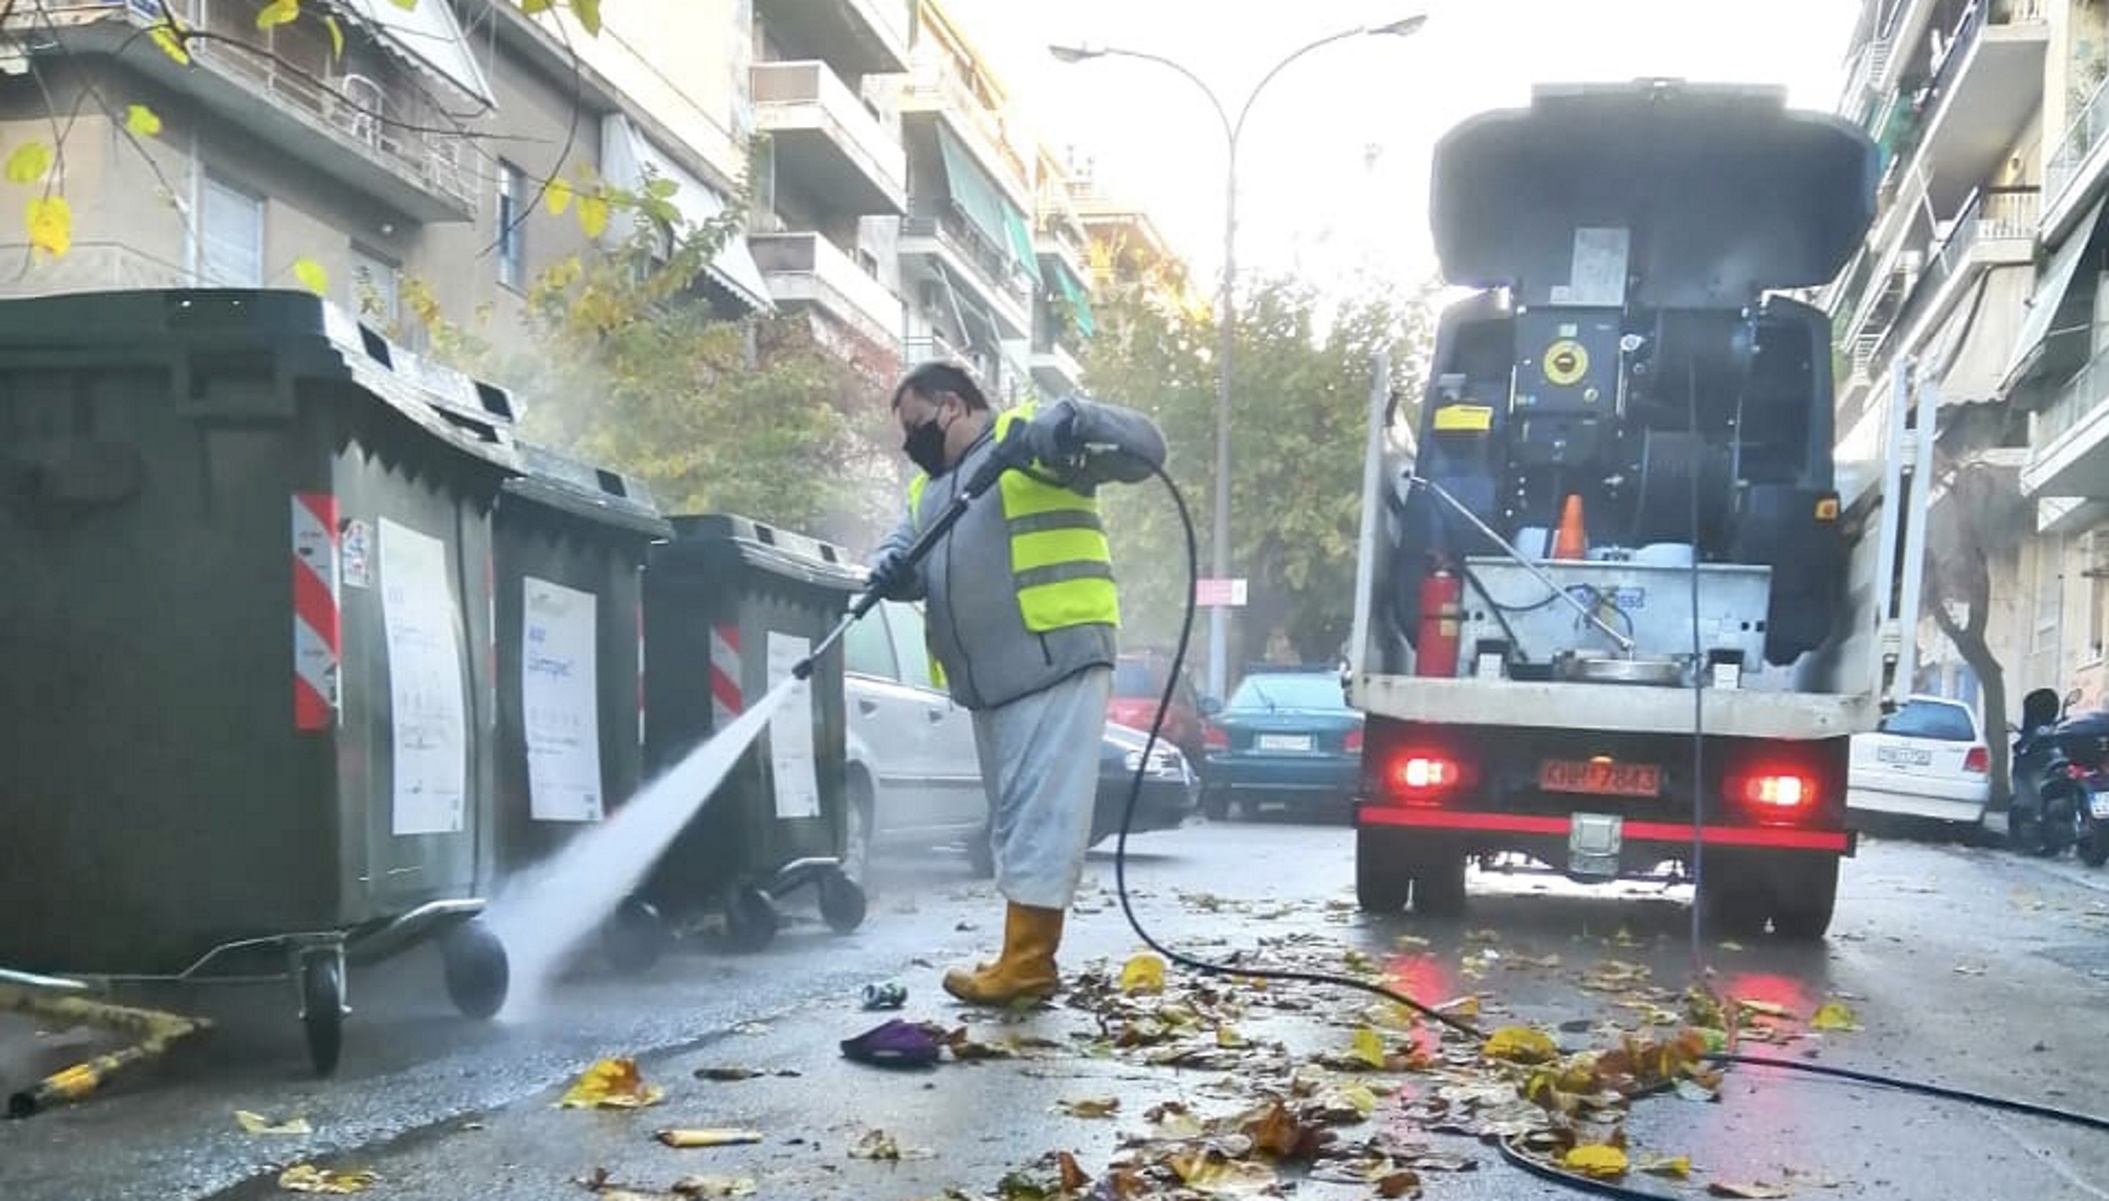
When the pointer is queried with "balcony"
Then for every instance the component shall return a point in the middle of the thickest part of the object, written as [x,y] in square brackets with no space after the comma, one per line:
[805,269]
[856,37]
[937,242]
[827,145]
[2069,439]
[356,118]
[1055,370]
[937,92]
[1984,89]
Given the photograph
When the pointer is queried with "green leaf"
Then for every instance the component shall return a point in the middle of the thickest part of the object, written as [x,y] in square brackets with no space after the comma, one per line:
[29,162]
[311,275]
[406,5]
[588,14]
[661,188]
[532,7]
[142,121]
[336,36]
[50,223]
[169,36]
[276,13]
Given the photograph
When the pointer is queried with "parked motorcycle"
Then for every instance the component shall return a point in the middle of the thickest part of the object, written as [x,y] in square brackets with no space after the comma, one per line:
[2049,803]
[2085,741]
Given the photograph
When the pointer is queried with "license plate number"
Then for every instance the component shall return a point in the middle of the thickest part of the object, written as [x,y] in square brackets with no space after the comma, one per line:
[1591,778]
[1904,756]
[1284,742]
[2098,806]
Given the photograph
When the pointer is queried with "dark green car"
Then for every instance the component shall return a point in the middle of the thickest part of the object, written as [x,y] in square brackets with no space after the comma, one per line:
[1286,738]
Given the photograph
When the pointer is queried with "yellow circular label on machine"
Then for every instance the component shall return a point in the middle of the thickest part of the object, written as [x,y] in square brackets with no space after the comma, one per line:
[1566,362]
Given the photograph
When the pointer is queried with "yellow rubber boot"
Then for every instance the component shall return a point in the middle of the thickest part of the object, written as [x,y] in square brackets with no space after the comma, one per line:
[1025,971]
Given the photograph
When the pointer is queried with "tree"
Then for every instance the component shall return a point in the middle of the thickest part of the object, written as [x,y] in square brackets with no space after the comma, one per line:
[1982,519]
[1299,412]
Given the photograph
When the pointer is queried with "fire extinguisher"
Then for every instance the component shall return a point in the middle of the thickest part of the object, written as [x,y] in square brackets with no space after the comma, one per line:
[1442,615]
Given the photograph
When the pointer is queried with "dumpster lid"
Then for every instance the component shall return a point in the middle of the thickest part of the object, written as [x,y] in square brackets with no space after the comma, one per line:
[568,485]
[1707,193]
[322,340]
[770,548]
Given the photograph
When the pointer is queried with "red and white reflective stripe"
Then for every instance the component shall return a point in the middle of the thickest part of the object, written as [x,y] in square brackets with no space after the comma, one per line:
[1529,823]
[725,699]
[317,628]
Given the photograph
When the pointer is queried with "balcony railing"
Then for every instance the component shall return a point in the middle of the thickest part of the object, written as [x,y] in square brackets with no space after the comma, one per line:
[2079,397]
[790,87]
[944,222]
[936,82]
[812,256]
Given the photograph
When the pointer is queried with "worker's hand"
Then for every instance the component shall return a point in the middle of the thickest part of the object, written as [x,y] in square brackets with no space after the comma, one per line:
[1050,436]
[890,577]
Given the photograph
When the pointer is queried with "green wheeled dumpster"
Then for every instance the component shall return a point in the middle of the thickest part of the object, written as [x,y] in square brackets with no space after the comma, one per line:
[572,541]
[247,628]
[731,606]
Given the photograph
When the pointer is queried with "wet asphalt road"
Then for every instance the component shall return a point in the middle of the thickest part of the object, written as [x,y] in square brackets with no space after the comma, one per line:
[1963,965]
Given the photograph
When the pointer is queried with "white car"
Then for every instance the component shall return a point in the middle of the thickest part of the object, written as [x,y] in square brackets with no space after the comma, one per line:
[1927,759]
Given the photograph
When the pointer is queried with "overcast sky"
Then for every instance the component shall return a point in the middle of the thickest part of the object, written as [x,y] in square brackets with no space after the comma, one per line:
[1333,170]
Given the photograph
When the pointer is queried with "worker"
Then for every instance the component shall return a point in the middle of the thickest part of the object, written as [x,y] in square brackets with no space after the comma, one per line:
[1021,614]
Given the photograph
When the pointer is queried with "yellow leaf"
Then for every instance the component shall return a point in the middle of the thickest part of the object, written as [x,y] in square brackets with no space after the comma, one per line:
[1228,1037]
[142,121]
[311,275]
[1143,973]
[278,12]
[256,1123]
[1091,1107]
[1770,1009]
[405,5]
[1597,1162]
[588,14]
[28,163]
[593,214]
[531,7]
[558,196]
[709,1137]
[1519,1044]
[307,1178]
[1361,1097]
[1834,1015]
[50,221]
[1673,1167]
[1368,1048]
[611,1084]
[712,1186]
[169,36]
[1462,1007]
[336,36]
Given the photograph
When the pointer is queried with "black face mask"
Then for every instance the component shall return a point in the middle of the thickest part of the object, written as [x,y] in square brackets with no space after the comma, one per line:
[925,447]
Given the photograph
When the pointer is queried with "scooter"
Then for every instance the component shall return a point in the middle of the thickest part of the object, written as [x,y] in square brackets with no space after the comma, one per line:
[2085,742]
[2048,801]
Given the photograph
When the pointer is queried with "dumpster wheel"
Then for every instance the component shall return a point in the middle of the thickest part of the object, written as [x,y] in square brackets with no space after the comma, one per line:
[478,973]
[635,937]
[322,1007]
[750,918]
[842,902]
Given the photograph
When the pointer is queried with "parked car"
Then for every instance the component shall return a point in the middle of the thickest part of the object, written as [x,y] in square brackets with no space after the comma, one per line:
[1927,759]
[914,772]
[1138,688]
[1287,737]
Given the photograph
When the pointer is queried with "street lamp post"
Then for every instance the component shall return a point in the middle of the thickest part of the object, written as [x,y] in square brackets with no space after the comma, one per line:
[1233,129]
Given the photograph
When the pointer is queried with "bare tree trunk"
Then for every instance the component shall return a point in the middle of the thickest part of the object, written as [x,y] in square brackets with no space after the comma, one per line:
[1969,642]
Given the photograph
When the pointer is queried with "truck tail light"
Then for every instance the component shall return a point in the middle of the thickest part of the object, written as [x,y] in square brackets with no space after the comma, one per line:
[1979,760]
[1215,738]
[1422,777]
[1352,744]
[1776,796]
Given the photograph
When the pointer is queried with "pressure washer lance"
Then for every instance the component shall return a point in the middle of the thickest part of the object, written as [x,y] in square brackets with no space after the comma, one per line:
[1008,455]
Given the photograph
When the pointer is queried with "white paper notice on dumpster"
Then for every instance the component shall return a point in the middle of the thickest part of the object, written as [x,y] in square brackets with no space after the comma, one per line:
[559,694]
[427,707]
[791,732]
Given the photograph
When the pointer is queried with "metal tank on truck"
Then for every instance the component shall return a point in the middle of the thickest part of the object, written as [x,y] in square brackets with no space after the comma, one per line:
[1615,622]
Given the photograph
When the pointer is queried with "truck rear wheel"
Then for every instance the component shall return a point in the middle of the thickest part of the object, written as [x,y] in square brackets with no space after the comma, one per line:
[1382,883]
[1439,884]
[1733,900]
[1805,896]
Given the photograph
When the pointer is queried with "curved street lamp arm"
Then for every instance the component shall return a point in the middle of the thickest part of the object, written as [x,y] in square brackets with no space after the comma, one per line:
[1214,101]
[1238,127]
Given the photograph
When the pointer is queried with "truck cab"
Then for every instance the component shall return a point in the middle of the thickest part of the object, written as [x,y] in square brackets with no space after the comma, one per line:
[1610,627]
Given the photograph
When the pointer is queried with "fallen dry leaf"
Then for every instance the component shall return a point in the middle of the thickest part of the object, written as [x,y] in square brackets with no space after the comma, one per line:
[1519,1044]
[708,1137]
[1090,1107]
[1368,1047]
[1460,1007]
[1750,1191]
[1401,1183]
[611,1084]
[1595,1161]
[713,1186]
[307,1178]
[1834,1015]
[1770,1009]
[1968,969]
[1142,974]
[256,1123]
[1672,1167]
[876,1144]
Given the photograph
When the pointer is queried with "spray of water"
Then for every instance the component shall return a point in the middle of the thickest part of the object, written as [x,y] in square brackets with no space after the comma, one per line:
[546,912]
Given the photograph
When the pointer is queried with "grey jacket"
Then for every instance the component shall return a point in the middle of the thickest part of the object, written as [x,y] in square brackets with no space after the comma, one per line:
[975,627]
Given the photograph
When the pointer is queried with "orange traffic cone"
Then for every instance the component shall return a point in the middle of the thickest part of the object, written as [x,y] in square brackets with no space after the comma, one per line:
[1572,541]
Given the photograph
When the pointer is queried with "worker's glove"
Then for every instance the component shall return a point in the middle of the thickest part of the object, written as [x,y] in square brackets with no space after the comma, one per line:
[890,577]
[1051,437]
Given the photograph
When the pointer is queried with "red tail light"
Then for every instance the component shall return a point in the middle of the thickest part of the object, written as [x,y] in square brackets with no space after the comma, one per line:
[1215,738]
[1352,744]
[1422,778]
[1978,760]
[1776,797]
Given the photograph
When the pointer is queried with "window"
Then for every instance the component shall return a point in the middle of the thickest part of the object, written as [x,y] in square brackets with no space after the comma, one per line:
[230,236]
[376,290]
[1932,720]
[1286,690]
[512,231]
[868,651]
[906,622]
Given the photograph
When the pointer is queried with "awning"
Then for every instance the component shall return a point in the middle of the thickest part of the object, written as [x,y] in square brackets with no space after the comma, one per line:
[973,191]
[627,158]
[2049,295]
[1022,243]
[429,37]
[1079,301]
[1974,358]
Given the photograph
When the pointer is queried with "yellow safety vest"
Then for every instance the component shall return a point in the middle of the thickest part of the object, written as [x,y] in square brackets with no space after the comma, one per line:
[1061,564]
